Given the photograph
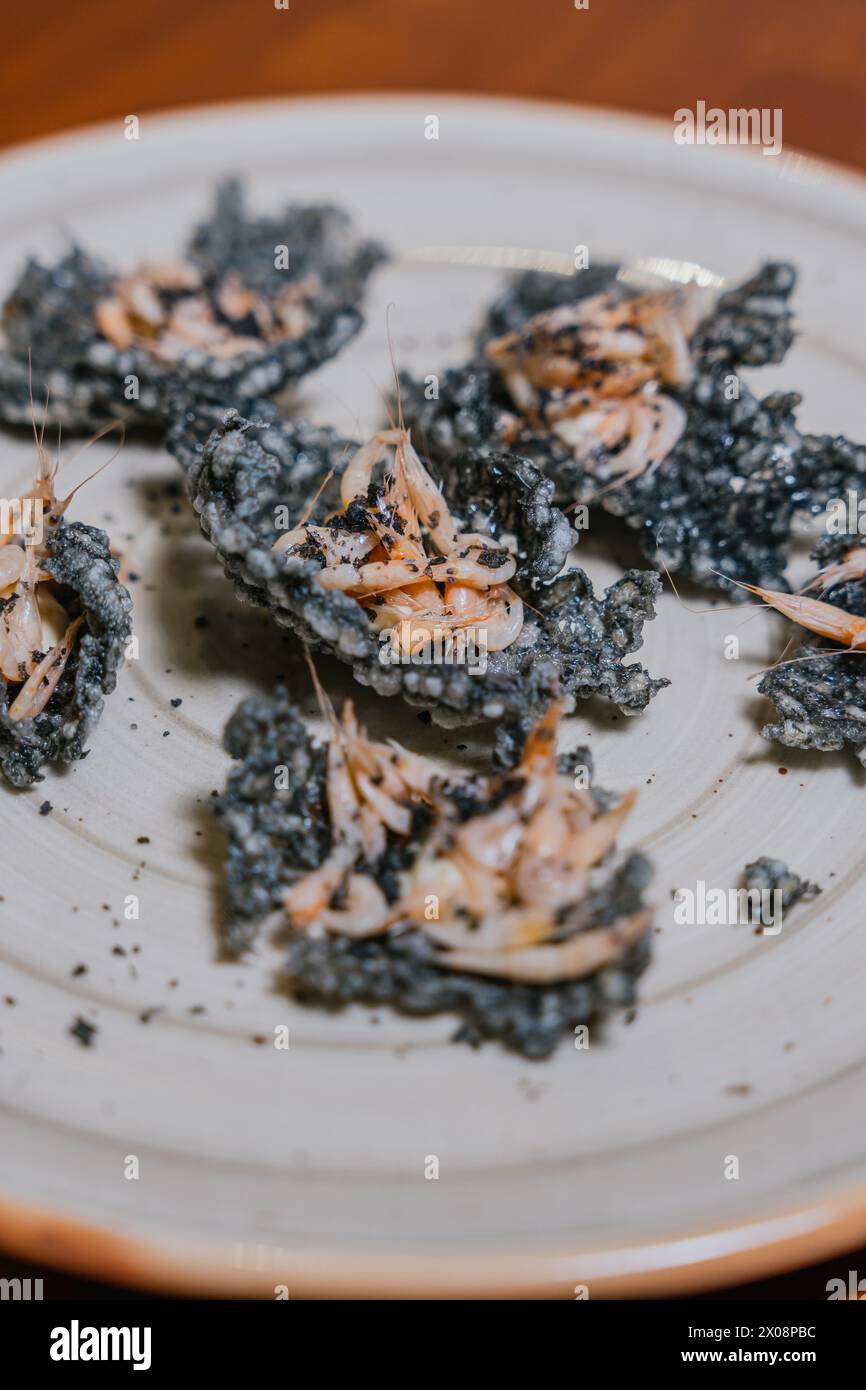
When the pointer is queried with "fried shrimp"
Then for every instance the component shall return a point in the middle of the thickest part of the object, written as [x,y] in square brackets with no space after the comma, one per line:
[25,590]
[64,622]
[165,309]
[824,619]
[851,565]
[397,550]
[510,883]
[496,897]
[499,884]
[371,789]
[243,306]
[593,372]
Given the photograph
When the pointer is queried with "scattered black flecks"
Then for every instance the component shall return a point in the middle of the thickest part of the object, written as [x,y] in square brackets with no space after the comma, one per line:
[46,808]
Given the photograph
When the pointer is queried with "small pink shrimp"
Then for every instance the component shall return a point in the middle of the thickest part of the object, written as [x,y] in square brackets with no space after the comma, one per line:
[367,793]
[20,623]
[851,566]
[825,619]
[12,561]
[43,681]
[590,372]
[549,963]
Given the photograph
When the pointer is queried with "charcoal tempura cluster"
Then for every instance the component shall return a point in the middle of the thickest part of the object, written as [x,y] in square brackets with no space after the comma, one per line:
[636,402]
[570,641]
[358,839]
[251,305]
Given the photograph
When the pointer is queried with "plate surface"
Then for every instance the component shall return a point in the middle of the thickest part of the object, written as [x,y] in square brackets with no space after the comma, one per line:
[306,1168]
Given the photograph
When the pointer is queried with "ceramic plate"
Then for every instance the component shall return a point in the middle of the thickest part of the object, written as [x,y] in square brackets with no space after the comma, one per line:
[607,1167]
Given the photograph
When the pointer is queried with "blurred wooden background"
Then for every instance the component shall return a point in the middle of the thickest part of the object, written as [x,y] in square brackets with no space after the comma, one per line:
[90,60]
[86,60]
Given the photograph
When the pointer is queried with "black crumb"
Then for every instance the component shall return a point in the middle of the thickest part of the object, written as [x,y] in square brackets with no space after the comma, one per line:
[143,840]
[773,875]
[175,704]
[201,621]
[85,1032]
[79,970]
[46,808]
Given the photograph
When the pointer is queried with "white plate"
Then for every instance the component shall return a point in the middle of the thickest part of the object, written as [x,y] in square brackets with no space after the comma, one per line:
[306,1168]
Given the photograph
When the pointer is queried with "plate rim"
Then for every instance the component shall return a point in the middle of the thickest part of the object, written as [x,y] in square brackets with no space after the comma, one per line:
[686,1264]
[843,175]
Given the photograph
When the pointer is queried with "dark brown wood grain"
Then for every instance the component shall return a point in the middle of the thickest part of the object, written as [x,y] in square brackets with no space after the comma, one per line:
[75,61]
[72,62]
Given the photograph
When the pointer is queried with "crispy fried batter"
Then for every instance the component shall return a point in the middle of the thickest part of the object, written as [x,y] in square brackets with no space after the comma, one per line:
[224,321]
[348,847]
[571,642]
[723,499]
[64,624]
[821,697]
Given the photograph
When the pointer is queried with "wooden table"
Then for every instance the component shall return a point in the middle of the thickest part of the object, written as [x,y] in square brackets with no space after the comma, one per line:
[92,60]
[87,60]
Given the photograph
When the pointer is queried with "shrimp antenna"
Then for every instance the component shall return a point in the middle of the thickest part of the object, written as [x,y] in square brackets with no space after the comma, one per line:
[400,423]
[337,510]
[44,416]
[30,389]
[38,435]
[95,474]
[308,512]
[723,608]
[386,403]
[816,653]
[740,583]
[95,438]
[326,709]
